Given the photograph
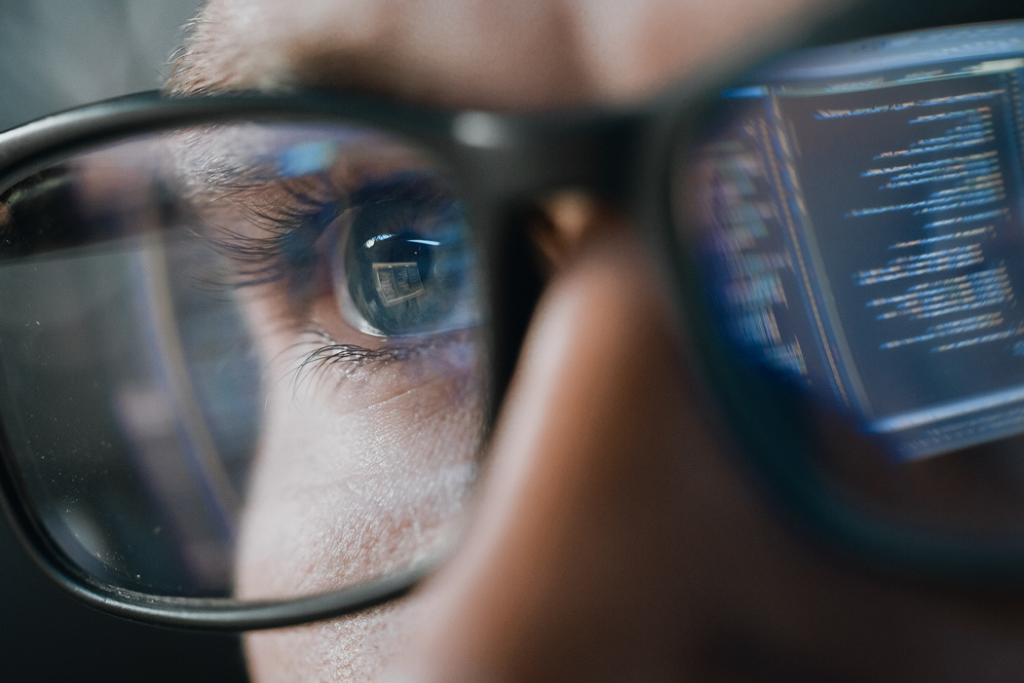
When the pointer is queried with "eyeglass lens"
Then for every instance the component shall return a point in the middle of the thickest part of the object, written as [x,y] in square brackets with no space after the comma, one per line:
[859,211]
[234,353]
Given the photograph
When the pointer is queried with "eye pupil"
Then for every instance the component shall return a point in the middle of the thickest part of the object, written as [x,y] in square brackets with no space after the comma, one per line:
[405,264]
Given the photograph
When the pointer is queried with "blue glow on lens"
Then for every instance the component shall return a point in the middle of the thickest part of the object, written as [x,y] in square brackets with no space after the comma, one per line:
[304,159]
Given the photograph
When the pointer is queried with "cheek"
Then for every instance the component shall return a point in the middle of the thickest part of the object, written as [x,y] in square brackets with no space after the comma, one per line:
[357,476]
[354,648]
[362,468]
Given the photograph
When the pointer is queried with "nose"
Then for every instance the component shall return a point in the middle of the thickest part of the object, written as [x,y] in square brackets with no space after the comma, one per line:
[572,568]
[615,539]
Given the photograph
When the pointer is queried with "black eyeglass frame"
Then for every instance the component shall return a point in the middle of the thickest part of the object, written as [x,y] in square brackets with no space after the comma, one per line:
[502,162]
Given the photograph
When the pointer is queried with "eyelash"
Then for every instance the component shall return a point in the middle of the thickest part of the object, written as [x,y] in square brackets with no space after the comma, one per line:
[330,352]
[291,249]
[292,252]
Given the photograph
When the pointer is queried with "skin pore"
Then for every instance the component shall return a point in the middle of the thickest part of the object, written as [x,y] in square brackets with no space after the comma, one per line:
[614,537]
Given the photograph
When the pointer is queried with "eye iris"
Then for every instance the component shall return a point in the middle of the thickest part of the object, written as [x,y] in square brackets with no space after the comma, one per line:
[405,267]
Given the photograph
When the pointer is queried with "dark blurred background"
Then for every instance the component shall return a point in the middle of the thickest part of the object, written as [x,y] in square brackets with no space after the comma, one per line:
[56,54]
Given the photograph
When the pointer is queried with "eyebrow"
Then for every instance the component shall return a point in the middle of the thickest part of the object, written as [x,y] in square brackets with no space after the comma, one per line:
[227,49]
[183,78]
[192,70]
[213,58]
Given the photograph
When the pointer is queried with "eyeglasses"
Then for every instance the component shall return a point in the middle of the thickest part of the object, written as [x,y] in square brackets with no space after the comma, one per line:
[244,336]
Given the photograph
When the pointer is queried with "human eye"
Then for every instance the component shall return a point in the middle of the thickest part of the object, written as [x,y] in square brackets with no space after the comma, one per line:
[365,254]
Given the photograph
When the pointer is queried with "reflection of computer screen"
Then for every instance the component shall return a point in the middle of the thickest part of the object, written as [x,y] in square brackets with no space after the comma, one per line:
[868,213]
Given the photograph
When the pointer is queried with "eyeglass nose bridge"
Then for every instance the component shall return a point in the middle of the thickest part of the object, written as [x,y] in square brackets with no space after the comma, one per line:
[514,161]
[517,156]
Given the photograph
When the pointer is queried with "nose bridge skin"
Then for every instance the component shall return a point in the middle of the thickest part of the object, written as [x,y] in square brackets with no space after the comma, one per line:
[569,570]
[615,541]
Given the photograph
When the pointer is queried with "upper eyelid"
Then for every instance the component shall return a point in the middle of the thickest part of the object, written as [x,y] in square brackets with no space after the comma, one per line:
[284,241]
[317,201]
[280,242]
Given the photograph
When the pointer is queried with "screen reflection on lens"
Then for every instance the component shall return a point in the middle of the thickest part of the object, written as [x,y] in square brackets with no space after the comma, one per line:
[859,211]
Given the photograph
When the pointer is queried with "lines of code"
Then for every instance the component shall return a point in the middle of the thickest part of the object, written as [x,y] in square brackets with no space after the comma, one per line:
[869,243]
[912,196]
[739,195]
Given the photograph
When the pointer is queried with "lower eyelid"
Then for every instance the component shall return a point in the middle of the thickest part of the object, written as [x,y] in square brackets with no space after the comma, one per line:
[355,378]
[400,350]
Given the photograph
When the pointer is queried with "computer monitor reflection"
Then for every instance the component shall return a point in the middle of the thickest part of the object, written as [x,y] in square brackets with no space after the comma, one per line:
[862,208]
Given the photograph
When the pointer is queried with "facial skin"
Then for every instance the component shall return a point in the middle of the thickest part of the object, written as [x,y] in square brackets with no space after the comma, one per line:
[615,537]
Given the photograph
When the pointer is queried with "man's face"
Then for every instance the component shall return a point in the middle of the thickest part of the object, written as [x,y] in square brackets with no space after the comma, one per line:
[613,537]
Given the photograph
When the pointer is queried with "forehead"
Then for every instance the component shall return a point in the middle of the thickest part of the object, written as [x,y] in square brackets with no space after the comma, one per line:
[480,53]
